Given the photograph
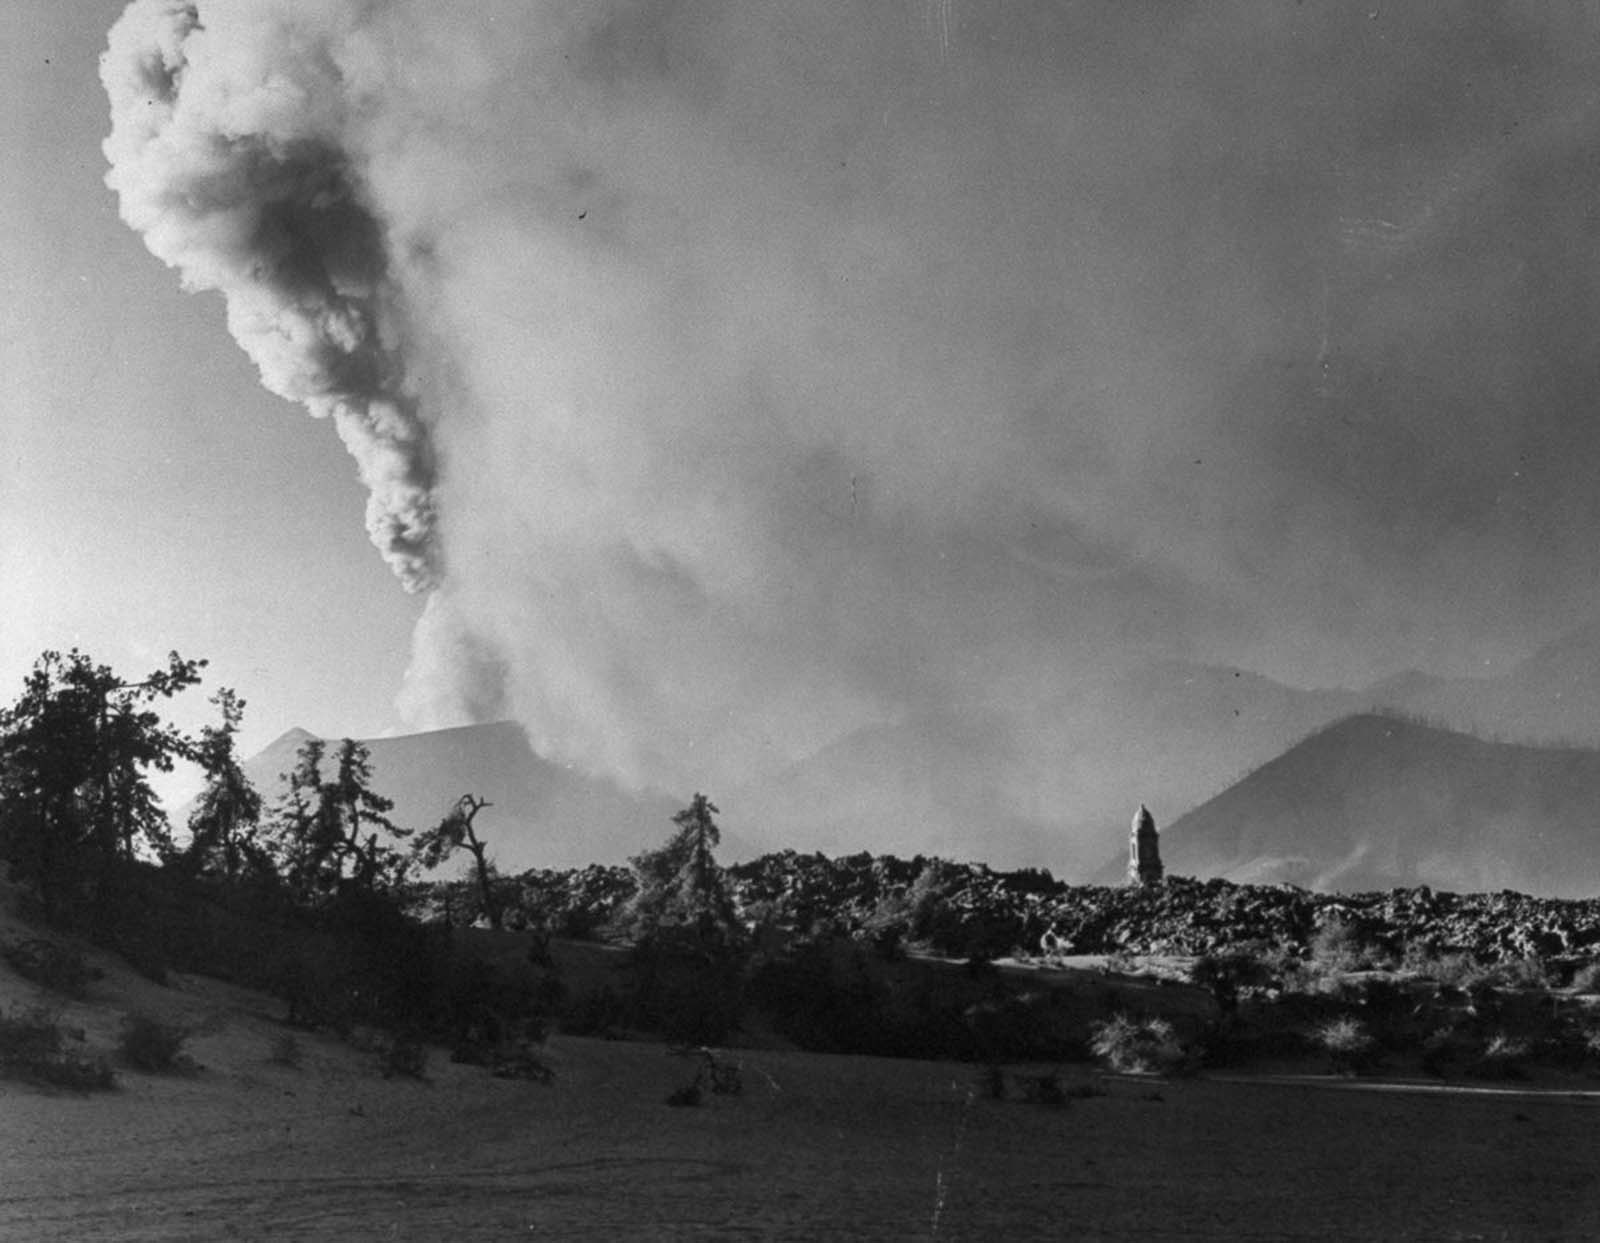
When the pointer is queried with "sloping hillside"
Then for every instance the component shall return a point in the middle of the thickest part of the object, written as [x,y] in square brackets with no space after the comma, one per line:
[543,815]
[1375,802]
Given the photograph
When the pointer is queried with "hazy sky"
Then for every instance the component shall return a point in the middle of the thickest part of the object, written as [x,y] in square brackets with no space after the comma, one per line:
[771,371]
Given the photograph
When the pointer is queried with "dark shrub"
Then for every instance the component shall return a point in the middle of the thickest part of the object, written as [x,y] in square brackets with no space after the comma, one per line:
[149,1044]
[404,1056]
[59,968]
[1230,973]
[1447,1052]
[519,1061]
[828,997]
[597,1012]
[686,985]
[687,1096]
[319,990]
[32,1050]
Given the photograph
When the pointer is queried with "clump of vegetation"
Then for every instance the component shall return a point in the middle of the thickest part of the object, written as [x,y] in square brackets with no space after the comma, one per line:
[49,964]
[597,1011]
[1350,1047]
[147,1043]
[713,1074]
[1133,1046]
[1464,972]
[33,1050]
[688,1096]
[405,1057]
[1502,1057]
[1340,945]
[1231,974]
[1586,979]
[519,1061]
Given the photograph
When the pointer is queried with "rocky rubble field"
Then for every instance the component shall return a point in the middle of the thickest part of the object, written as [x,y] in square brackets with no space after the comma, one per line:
[967,910]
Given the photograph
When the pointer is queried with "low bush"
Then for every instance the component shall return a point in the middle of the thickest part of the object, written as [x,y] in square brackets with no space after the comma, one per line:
[1132,1046]
[1351,1049]
[1231,974]
[1465,972]
[598,1011]
[519,1061]
[149,1044]
[1502,1057]
[405,1057]
[1341,945]
[719,1077]
[1448,1051]
[59,968]
[688,1096]
[32,1050]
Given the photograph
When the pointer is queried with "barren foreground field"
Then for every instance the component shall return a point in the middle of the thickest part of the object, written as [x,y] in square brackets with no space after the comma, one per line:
[816,1147]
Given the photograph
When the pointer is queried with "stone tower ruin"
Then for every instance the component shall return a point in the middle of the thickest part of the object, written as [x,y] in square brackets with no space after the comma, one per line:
[1144,849]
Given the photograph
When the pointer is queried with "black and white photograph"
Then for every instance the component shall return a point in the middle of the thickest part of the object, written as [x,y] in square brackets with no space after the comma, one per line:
[799,620]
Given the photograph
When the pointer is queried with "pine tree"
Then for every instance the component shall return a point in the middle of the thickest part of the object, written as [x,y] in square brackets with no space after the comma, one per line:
[222,827]
[330,831]
[681,886]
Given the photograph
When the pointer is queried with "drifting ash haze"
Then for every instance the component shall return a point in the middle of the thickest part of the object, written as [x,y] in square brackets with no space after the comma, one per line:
[746,379]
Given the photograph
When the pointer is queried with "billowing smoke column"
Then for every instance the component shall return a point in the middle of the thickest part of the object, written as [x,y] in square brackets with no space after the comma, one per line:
[816,397]
[228,152]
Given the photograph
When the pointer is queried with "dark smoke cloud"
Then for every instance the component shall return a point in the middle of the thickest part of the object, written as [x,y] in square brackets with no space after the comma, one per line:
[228,154]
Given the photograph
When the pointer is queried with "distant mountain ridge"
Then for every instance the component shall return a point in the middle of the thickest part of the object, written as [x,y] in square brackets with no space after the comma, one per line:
[541,815]
[1174,734]
[1376,801]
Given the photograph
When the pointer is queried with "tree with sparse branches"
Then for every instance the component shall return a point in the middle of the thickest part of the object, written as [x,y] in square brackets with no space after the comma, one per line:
[362,814]
[455,832]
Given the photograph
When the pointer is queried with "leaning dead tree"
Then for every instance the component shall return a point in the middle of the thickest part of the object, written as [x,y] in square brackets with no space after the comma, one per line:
[455,832]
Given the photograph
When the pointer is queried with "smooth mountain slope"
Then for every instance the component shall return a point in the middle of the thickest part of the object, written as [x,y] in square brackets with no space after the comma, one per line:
[543,814]
[1377,802]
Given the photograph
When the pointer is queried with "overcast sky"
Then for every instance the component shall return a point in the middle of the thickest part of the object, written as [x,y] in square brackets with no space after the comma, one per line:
[771,371]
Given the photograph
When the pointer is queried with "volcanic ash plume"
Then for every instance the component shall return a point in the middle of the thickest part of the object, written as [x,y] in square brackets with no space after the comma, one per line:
[774,418]
[830,393]
[230,152]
